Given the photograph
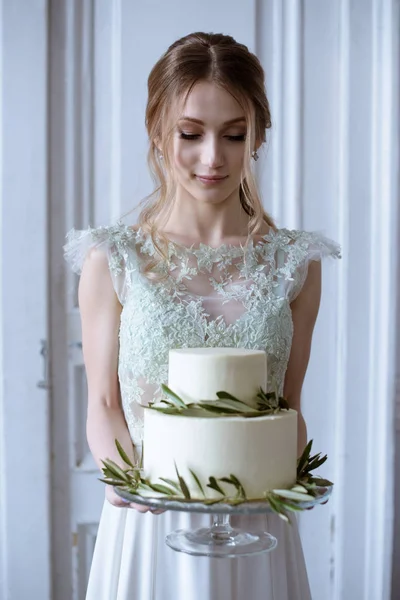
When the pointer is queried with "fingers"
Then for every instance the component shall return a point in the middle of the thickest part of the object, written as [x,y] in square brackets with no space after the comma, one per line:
[143,509]
[139,507]
[119,502]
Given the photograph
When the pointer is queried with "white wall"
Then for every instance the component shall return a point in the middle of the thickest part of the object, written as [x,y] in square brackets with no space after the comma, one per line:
[25,568]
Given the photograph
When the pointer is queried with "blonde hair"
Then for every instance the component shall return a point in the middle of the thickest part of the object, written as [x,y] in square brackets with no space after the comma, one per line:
[201,57]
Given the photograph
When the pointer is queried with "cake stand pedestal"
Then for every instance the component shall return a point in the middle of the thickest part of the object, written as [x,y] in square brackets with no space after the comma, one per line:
[220,540]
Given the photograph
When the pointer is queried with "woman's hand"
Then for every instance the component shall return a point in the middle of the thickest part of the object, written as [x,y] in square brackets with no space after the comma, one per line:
[116,500]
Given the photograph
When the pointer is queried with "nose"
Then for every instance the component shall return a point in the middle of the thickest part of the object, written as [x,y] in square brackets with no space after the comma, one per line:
[212,155]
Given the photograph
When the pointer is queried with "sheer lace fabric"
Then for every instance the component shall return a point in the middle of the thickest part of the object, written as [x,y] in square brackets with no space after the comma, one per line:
[231,296]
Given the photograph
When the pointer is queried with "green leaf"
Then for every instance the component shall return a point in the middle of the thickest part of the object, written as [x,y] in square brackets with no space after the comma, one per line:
[299,488]
[277,508]
[123,454]
[182,483]
[302,461]
[310,487]
[162,489]
[115,469]
[228,396]
[316,463]
[171,483]
[213,484]
[171,410]
[113,482]
[290,495]
[197,480]
[227,480]
[292,507]
[237,488]
[235,501]
[240,493]
[222,395]
[215,408]
[238,485]
[322,482]
[239,407]
[172,396]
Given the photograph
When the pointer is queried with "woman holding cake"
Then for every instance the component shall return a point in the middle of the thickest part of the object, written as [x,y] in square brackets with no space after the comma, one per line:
[205,267]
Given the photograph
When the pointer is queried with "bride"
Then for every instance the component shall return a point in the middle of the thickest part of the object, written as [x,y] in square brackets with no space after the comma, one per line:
[205,266]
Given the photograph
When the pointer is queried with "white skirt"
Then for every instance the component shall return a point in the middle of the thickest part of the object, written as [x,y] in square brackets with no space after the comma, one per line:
[131,561]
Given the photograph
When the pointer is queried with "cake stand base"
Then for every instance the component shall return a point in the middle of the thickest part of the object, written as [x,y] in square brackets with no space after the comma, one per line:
[220,540]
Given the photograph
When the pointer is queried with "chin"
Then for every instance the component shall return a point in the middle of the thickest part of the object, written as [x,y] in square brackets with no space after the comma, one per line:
[209,198]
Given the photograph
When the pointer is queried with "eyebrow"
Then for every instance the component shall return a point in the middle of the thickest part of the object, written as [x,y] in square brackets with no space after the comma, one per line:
[230,122]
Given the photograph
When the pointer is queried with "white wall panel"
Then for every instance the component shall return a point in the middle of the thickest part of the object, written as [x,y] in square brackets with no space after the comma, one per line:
[25,569]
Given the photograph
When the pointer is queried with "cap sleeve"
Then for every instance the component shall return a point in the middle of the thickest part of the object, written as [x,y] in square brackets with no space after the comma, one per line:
[301,248]
[115,241]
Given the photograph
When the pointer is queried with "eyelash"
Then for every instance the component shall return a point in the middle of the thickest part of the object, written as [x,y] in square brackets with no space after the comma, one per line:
[231,138]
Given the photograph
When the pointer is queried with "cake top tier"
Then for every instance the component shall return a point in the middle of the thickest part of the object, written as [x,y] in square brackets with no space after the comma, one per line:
[197,374]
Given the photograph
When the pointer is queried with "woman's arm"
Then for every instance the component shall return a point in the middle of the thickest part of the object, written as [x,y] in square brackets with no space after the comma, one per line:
[304,313]
[100,317]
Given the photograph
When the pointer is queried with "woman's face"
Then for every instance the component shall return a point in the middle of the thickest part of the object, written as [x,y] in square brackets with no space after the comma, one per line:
[209,144]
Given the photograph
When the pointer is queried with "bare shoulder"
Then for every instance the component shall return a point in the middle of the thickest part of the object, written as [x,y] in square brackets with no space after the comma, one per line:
[96,287]
[307,303]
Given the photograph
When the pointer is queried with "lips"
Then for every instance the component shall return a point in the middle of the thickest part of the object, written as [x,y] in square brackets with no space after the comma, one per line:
[211,177]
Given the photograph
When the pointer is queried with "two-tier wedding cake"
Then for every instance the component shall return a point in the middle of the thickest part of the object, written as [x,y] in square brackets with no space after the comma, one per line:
[258,449]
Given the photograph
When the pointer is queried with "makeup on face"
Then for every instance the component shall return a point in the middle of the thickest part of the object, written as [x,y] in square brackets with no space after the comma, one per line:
[209,144]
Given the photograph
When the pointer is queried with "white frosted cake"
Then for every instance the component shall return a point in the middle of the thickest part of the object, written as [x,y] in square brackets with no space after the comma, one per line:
[261,452]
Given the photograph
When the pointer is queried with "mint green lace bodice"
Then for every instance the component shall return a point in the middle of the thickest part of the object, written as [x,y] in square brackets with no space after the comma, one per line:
[231,296]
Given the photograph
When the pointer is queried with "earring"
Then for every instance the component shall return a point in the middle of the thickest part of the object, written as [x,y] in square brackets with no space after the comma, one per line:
[161,156]
[254,155]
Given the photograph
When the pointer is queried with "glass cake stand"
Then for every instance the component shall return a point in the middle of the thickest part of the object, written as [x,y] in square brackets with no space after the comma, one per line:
[220,540]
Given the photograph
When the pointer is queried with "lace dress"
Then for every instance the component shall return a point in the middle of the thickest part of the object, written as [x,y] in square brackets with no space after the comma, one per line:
[231,296]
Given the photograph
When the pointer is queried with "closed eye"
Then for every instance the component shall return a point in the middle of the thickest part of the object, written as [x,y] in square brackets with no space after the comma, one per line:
[236,138]
[231,138]
[188,136]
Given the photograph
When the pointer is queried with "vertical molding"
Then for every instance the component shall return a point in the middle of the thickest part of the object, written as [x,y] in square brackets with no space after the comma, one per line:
[337,523]
[3,503]
[116,90]
[85,14]
[106,112]
[285,94]
[276,102]
[383,296]
[398,368]
[292,110]
[62,199]
[80,445]
[380,454]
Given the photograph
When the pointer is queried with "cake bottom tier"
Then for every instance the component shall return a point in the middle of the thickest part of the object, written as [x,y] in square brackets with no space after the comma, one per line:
[260,452]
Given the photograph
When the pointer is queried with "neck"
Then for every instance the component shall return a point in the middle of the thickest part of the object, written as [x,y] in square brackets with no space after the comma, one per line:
[205,221]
